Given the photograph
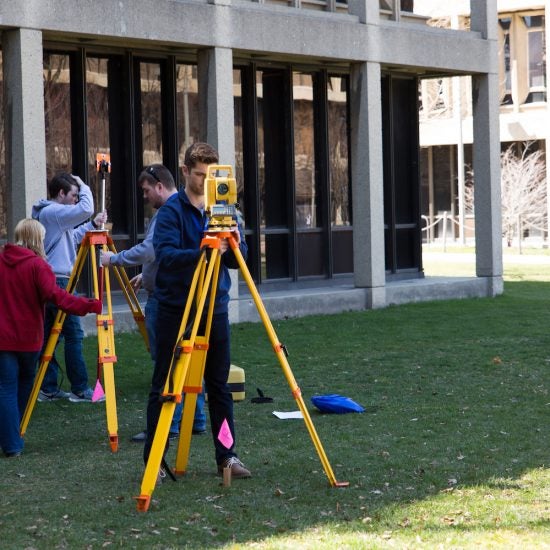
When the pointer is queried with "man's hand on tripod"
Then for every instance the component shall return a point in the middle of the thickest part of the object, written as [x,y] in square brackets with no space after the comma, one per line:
[224,243]
[105,257]
[100,219]
[224,246]
[136,282]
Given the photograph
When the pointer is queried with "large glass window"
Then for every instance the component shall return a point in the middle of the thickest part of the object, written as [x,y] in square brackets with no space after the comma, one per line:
[97,110]
[239,146]
[291,136]
[311,257]
[273,168]
[506,61]
[188,107]
[307,192]
[340,211]
[57,113]
[151,114]
[340,181]
[523,49]
[536,57]
[151,120]
[138,110]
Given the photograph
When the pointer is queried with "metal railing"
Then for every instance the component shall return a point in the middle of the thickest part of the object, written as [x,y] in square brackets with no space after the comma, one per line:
[514,232]
[442,221]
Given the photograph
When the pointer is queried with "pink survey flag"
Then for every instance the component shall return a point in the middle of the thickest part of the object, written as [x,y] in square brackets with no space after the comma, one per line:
[98,392]
[225,437]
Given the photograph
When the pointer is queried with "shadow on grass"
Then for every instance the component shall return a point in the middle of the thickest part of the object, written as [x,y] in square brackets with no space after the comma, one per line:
[456,394]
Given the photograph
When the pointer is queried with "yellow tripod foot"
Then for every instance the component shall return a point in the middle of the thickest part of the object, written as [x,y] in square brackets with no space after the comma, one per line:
[113,440]
[143,502]
[341,484]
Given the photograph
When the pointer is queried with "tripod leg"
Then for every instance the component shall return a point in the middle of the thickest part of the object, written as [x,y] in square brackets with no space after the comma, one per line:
[106,357]
[175,379]
[44,362]
[280,351]
[180,366]
[193,384]
[53,338]
[192,387]
[130,296]
[106,360]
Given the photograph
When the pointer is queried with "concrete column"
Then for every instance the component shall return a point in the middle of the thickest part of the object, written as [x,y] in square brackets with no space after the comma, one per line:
[368,182]
[366,10]
[217,122]
[24,128]
[487,176]
[486,151]
[484,19]
[217,118]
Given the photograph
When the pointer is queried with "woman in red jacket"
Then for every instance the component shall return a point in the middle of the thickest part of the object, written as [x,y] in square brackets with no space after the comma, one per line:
[27,282]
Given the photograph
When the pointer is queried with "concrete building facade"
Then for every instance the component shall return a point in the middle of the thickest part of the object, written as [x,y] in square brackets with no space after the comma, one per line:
[314,102]
[446,128]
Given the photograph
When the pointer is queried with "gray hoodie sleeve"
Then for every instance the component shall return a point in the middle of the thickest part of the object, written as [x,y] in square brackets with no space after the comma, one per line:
[60,221]
[142,253]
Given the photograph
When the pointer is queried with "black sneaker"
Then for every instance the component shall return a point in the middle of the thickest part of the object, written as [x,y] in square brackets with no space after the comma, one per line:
[140,437]
[15,454]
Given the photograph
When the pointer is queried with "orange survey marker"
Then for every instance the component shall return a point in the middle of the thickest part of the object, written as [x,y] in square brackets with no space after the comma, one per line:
[103,162]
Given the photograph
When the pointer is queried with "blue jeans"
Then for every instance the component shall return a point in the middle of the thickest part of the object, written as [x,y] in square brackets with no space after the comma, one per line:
[17,370]
[74,361]
[199,422]
[220,401]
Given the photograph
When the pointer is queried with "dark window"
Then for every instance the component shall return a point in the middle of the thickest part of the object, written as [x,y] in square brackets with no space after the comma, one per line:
[136,110]
[57,113]
[339,174]
[291,135]
[401,174]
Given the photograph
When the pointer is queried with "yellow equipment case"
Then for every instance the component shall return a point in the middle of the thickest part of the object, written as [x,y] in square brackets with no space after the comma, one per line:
[236,381]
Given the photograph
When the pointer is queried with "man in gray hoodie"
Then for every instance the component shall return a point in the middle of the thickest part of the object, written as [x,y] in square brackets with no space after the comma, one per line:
[65,216]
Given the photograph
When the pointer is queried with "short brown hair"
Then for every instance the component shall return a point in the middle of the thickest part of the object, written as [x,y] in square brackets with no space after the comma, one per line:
[30,234]
[157,173]
[62,181]
[200,152]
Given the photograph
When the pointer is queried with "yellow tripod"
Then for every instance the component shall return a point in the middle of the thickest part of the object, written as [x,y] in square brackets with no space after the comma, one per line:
[189,357]
[105,327]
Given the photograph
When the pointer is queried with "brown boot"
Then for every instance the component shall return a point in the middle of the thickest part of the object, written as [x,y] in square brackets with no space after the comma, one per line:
[237,468]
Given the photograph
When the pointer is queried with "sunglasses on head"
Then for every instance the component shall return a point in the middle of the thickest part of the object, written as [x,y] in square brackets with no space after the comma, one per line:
[151,170]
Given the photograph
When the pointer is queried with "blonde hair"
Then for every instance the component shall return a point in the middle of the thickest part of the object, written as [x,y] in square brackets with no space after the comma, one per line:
[30,234]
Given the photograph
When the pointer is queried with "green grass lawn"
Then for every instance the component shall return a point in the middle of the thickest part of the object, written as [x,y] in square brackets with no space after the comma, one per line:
[452,451]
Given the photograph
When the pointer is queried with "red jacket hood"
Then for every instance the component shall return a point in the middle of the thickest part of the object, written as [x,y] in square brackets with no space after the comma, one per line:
[13,254]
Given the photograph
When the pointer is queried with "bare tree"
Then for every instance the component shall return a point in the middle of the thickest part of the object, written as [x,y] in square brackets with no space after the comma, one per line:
[523,191]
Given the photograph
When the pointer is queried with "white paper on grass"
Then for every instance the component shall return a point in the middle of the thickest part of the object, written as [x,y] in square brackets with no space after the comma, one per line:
[286,415]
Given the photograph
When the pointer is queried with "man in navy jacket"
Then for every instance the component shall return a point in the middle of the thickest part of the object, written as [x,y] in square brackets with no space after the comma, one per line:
[177,238]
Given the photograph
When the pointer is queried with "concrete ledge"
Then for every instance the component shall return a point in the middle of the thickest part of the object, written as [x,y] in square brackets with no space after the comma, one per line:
[439,288]
[331,300]
[298,303]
